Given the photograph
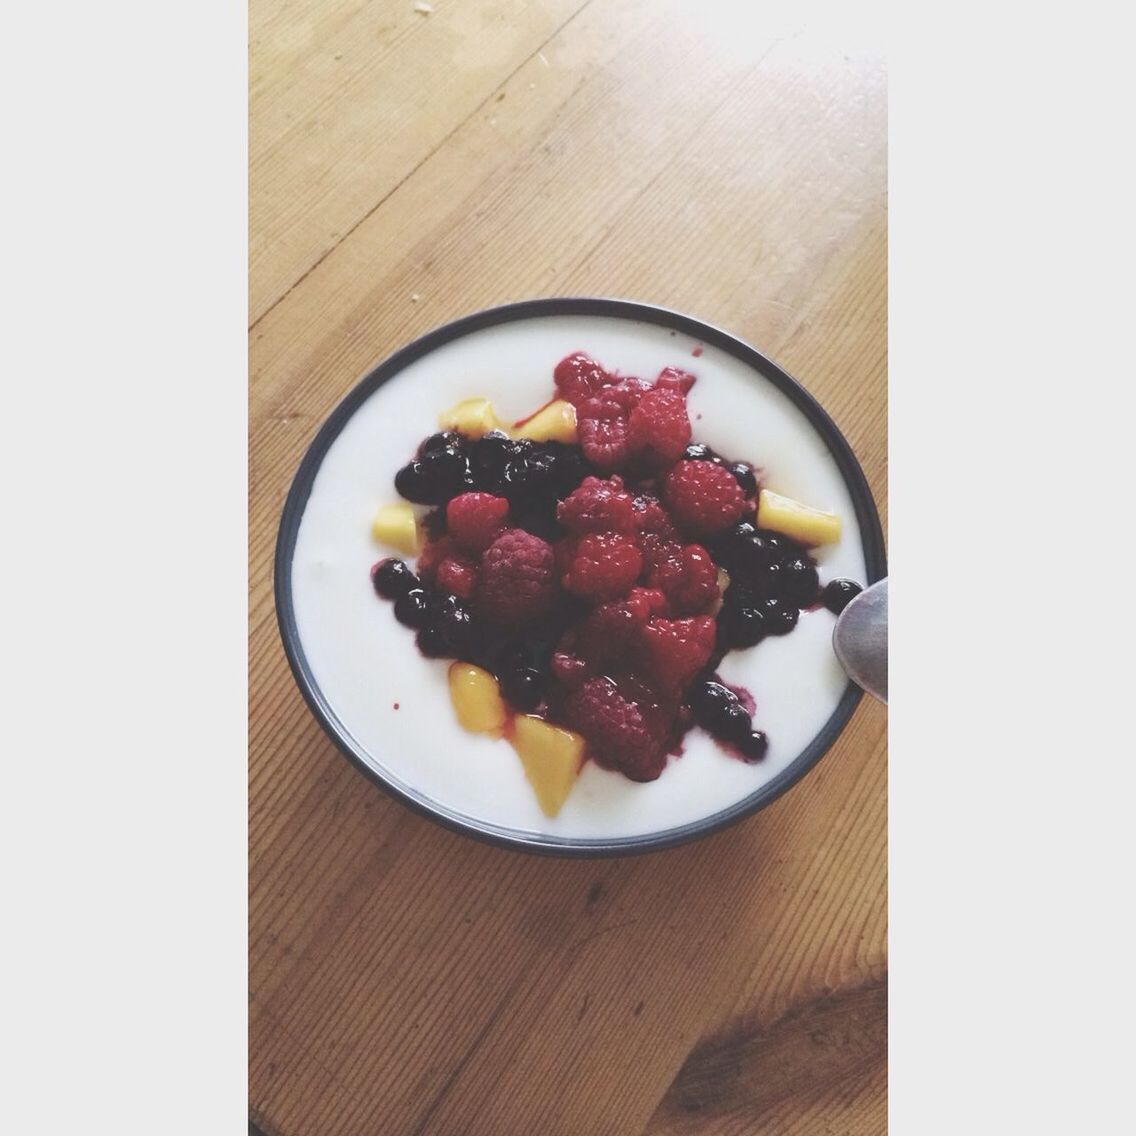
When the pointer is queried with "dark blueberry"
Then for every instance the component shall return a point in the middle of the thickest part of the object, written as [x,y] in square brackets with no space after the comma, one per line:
[412,483]
[540,476]
[710,701]
[780,616]
[488,456]
[838,594]
[743,475]
[392,578]
[742,625]
[446,467]
[514,478]
[452,619]
[696,451]
[798,581]
[734,726]
[571,468]
[448,439]
[523,687]
[434,523]
[753,747]
[787,548]
[412,607]
[432,642]
[538,519]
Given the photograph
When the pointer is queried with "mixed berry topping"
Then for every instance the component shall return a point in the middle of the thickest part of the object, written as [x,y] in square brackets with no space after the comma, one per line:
[595,585]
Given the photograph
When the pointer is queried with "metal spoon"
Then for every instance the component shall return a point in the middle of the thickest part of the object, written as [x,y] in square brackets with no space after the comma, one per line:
[860,640]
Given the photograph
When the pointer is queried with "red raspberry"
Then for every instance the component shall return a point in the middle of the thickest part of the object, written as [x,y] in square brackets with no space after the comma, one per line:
[605,566]
[601,423]
[578,377]
[671,378]
[432,554]
[651,517]
[658,551]
[689,579]
[475,519]
[568,669]
[703,497]
[517,581]
[457,574]
[646,603]
[627,726]
[658,429]
[675,650]
[597,506]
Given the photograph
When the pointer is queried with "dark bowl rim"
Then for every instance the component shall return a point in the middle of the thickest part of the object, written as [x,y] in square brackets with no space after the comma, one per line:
[867,519]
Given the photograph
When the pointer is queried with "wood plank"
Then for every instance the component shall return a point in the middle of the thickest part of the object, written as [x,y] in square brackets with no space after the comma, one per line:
[333,131]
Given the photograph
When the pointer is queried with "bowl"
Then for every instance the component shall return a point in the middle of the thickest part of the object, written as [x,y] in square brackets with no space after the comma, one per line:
[385,706]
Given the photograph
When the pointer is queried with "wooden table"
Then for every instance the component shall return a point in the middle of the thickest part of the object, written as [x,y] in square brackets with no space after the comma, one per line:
[408,167]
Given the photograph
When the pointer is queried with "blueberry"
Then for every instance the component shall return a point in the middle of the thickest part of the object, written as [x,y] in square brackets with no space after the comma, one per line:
[734,726]
[780,616]
[451,618]
[412,483]
[798,581]
[446,468]
[392,578]
[709,701]
[753,747]
[432,642]
[523,687]
[571,468]
[412,607]
[489,453]
[696,451]
[786,547]
[448,439]
[838,594]
[744,476]
[743,625]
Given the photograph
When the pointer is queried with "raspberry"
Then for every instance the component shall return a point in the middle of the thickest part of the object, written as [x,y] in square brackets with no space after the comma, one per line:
[605,566]
[672,379]
[517,581]
[475,519]
[646,603]
[568,669]
[578,377]
[689,579]
[658,429]
[651,517]
[601,423]
[675,650]
[659,551]
[626,726]
[703,497]
[609,638]
[457,574]
[597,506]
[432,554]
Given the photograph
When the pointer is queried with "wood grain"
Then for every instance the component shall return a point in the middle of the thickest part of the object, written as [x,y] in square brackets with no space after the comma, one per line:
[409,168]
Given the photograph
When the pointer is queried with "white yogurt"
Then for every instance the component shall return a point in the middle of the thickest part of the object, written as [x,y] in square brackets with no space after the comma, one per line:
[365,662]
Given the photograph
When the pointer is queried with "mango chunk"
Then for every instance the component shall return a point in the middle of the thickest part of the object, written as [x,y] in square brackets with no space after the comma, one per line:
[471,417]
[396,526]
[551,756]
[477,700]
[555,422]
[801,522]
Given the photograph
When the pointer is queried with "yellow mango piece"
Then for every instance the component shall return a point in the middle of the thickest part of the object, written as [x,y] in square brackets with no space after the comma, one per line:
[555,422]
[552,757]
[471,417]
[801,522]
[397,526]
[477,700]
